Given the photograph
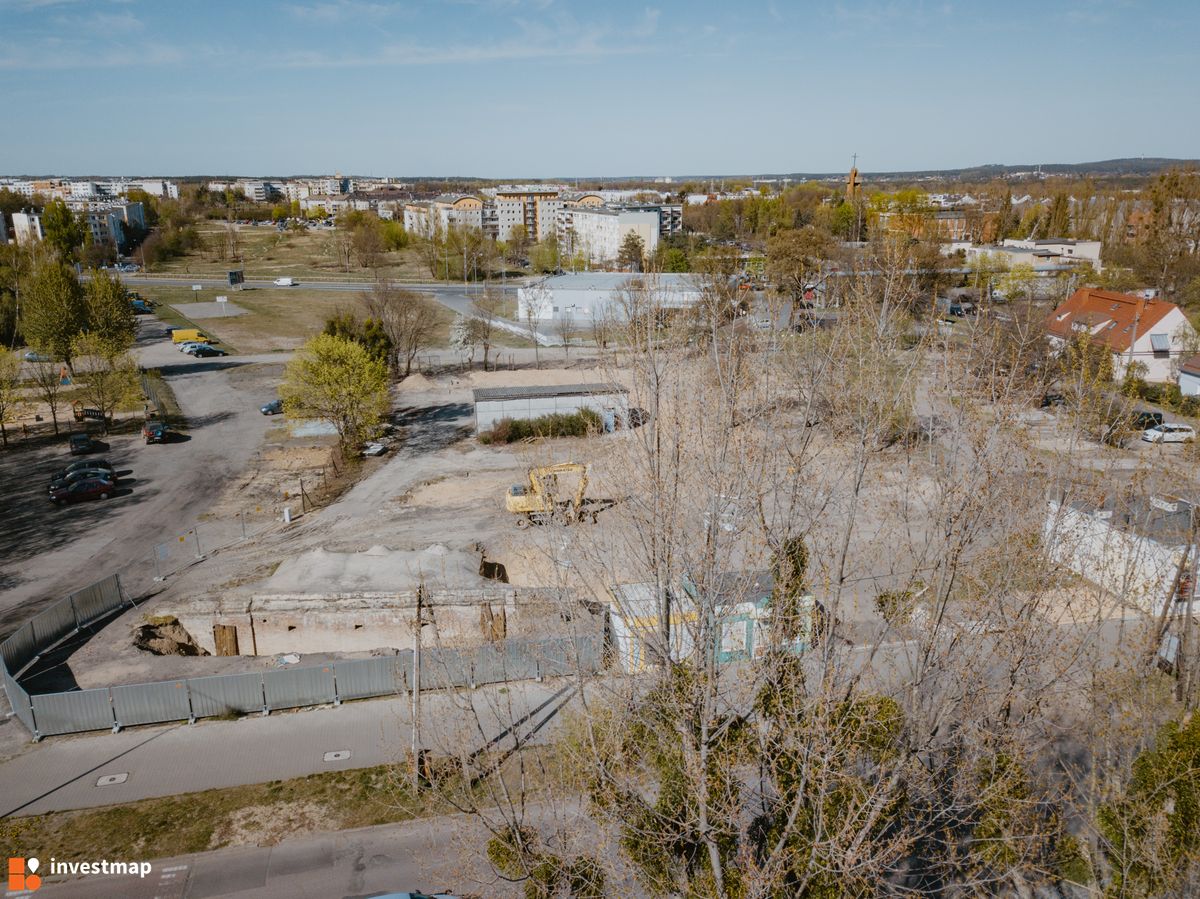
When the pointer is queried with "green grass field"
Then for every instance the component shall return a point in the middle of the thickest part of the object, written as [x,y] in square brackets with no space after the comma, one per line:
[267,254]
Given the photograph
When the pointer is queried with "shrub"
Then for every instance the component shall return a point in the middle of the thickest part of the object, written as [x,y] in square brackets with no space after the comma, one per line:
[559,424]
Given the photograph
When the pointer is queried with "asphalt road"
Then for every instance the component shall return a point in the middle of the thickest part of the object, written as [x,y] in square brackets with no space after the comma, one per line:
[47,551]
[429,855]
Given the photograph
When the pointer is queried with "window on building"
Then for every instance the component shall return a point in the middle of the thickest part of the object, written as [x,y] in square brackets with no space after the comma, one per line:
[1161,344]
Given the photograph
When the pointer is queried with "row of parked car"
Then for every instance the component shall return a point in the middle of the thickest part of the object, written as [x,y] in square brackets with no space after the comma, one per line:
[84,479]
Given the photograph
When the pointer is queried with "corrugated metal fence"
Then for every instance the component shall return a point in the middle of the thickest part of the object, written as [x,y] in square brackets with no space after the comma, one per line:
[187,699]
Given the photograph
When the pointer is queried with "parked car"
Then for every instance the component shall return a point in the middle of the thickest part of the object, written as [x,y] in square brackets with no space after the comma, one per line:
[84,474]
[154,432]
[188,345]
[80,444]
[1169,432]
[32,356]
[1052,399]
[88,488]
[286,282]
[374,449]
[80,465]
[272,408]
[205,350]
[1143,420]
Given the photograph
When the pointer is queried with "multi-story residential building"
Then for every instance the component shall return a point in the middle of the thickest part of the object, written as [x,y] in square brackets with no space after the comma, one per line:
[597,232]
[534,208]
[1154,333]
[159,187]
[258,191]
[27,227]
[437,216]
[106,222]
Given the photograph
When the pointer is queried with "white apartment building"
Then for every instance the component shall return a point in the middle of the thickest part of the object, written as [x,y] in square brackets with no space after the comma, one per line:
[598,232]
[597,296]
[440,215]
[27,227]
[535,208]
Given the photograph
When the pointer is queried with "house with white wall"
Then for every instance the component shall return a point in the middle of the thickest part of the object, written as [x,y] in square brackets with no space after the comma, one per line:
[1133,548]
[1152,332]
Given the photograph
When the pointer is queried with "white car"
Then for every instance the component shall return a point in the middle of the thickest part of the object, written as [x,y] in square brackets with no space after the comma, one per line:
[285,282]
[374,449]
[1169,432]
[189,345]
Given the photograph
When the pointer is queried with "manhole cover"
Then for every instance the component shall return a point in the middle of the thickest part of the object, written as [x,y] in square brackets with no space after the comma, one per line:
[107,780]
[338,755]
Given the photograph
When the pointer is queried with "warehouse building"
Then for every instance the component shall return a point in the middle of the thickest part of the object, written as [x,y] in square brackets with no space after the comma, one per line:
[592,296]
[493,404]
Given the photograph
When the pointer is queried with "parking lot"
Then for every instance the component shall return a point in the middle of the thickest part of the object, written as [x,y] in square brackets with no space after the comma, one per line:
[47,550]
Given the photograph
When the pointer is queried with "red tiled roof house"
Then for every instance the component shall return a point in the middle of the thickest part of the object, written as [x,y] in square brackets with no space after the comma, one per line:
[1153,332]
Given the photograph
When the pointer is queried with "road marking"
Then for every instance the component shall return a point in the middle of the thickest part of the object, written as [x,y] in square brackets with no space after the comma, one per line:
[107,780]
[338,755]
[175,868]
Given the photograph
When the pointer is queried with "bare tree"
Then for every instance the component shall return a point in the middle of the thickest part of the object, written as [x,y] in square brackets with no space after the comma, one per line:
[410,320]
[487,308]
[564,326]
[47,377]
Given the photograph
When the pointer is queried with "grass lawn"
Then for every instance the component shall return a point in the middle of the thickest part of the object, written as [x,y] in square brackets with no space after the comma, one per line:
[276,319]
[266,253]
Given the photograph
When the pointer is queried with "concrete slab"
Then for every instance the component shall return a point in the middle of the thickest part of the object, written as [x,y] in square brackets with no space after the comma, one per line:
[209,310]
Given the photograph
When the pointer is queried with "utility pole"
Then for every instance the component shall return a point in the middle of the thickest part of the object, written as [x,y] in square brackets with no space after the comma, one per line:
[418,623]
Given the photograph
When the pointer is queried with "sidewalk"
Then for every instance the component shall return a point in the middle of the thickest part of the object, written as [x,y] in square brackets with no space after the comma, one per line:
[64,773]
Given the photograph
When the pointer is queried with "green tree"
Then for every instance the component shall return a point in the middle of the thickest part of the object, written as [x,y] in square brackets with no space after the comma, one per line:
[337,380]
[64,230]
[54,311]
[794,260]
[48,381]
[369,333]
[12,402]
[110,315]
[632,254]
[108,376]
[1151,832]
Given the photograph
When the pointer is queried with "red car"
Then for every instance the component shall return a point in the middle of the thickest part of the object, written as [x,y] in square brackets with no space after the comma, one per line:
[88,488]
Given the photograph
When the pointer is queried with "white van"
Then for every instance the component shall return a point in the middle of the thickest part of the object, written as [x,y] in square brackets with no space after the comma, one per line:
[285,282]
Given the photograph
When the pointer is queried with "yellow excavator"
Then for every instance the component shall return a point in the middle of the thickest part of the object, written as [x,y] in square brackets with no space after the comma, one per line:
[540,501]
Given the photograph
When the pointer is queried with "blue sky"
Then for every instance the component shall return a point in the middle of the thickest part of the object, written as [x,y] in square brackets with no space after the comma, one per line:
[545,88]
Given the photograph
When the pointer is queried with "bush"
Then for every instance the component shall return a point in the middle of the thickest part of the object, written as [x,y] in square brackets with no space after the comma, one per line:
[572,424]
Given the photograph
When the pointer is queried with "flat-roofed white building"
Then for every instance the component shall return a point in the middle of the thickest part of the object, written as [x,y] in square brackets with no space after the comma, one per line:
[27,227]
[494,404]
[440,215]
[596,296]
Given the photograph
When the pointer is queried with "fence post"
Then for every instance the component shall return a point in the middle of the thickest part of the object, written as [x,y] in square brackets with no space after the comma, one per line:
[262,685]
[74,610]
[191,708]
[113,708]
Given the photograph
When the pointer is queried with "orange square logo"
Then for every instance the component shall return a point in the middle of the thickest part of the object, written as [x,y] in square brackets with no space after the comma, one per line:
[21,874]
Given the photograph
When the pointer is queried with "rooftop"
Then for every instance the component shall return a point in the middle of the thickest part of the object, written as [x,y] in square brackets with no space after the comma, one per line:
[618,280]
[493,394]
[1115,315]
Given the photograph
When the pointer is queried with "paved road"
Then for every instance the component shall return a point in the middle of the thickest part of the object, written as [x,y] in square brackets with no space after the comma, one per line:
[168,485]
[437,854]
[62,773]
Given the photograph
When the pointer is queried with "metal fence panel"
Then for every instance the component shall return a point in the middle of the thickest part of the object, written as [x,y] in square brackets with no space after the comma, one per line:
[151,703]
[292,687]
[222,694]
[488,665]
[98,600]
[442,668]
[519,662]
[19,648]
[19,700]
[361,678]
[53,623]
[403,661]
[67,713]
